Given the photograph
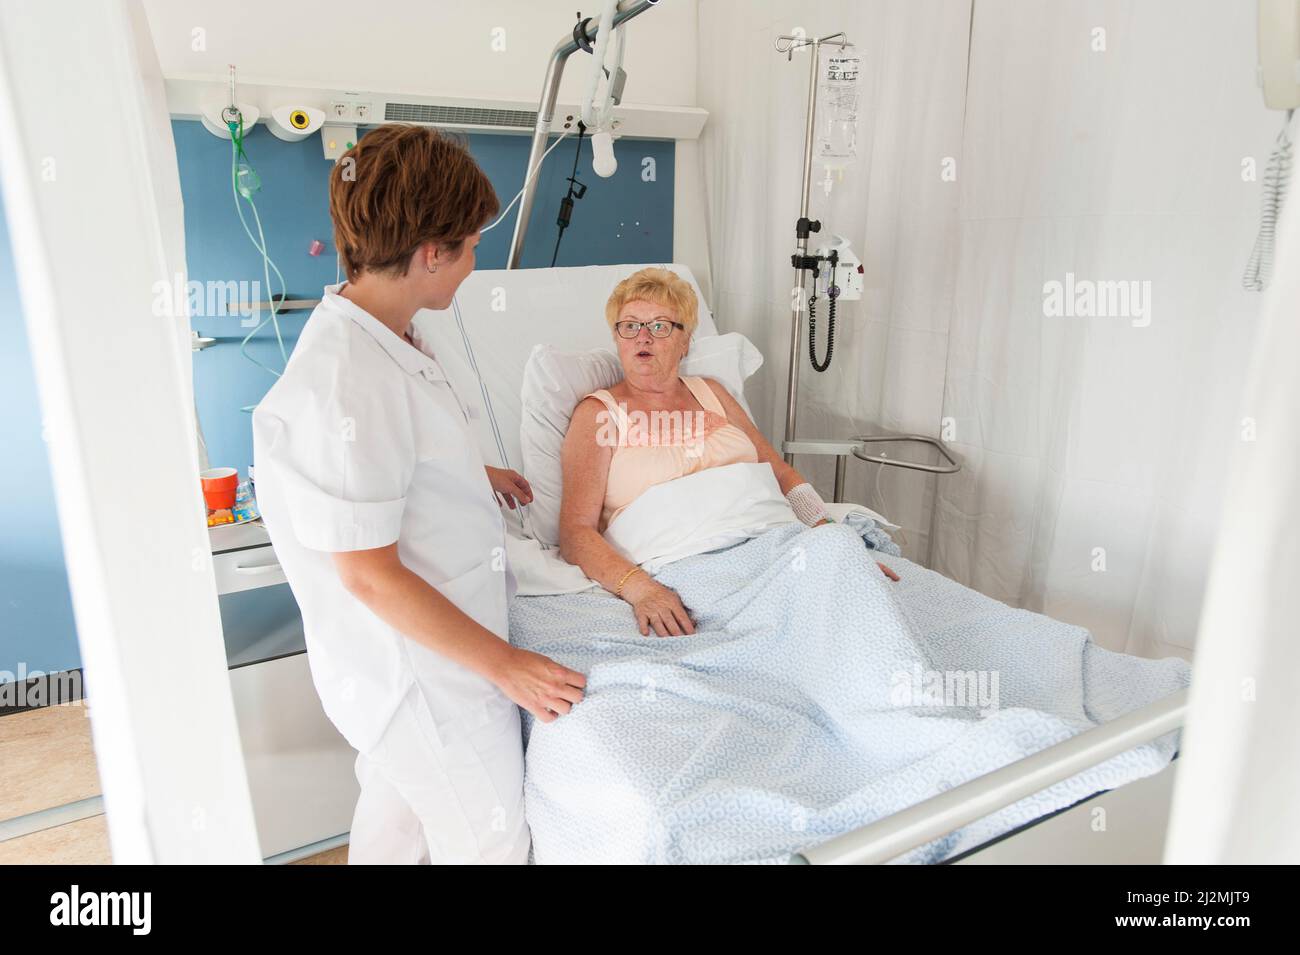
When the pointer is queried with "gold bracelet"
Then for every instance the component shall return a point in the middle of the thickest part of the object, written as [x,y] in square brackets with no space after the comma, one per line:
[618,592]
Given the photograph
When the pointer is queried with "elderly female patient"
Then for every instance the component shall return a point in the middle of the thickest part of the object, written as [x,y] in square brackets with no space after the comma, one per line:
[695,423]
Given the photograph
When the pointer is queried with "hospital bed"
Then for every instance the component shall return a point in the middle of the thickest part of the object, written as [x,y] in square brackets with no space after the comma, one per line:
[484,343]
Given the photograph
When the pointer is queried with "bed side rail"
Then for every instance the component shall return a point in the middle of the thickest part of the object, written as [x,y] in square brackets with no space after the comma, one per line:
[914,826]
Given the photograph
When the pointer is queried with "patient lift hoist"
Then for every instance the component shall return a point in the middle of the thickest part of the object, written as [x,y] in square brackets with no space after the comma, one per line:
[843,279]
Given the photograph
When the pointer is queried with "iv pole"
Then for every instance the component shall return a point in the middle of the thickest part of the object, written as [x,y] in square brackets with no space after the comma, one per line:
[803,228]
[857,446]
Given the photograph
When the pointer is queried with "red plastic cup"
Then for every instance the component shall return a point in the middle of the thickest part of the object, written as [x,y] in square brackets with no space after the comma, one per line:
[219,486]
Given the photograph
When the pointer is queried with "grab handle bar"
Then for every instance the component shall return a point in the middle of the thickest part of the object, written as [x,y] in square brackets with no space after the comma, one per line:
[914,826]
[951,467]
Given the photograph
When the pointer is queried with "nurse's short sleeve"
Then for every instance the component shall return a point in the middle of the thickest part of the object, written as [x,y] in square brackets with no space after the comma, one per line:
[342,462]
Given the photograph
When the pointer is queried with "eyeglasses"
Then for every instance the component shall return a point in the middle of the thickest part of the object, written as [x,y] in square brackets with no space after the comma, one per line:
[659,328]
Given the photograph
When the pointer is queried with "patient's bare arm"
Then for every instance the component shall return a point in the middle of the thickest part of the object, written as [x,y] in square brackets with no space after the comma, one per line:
[586,471]
[786,475]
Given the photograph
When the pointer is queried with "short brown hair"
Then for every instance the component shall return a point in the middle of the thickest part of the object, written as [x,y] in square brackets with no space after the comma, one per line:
[660,287]
[403,186]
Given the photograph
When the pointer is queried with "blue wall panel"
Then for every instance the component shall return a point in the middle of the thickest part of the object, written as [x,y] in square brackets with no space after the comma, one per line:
[623,219]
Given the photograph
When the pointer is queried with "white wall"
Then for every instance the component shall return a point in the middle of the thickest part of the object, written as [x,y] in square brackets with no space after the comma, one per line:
[421,47]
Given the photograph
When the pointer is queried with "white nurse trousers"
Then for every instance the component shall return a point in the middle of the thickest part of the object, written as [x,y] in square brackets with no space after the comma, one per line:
[430,799]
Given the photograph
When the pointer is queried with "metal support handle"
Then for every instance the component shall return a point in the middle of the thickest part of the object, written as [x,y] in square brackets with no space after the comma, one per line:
[857,447]
[952,466]
[841,450]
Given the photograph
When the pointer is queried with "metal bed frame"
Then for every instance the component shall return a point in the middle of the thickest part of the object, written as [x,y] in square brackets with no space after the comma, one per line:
[909,828]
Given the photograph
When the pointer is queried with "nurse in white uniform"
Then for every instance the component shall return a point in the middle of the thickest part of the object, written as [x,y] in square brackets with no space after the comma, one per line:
[388,527]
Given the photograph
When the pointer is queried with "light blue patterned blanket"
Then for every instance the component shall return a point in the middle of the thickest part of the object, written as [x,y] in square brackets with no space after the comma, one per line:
[809,702]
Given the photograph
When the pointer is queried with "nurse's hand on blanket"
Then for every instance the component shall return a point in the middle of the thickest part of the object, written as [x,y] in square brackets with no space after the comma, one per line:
[657,606]
[409,604]
[539,684]
[509,485]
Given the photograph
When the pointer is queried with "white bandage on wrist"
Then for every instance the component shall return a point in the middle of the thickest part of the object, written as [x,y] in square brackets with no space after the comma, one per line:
[807,504]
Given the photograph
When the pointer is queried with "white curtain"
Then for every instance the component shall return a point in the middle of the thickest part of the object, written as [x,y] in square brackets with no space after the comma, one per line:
[1085,149]
[1235,798]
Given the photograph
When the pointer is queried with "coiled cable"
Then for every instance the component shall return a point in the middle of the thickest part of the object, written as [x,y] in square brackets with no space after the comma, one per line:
[1276,174]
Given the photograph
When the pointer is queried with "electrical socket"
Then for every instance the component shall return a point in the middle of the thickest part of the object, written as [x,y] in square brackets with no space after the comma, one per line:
[346,111]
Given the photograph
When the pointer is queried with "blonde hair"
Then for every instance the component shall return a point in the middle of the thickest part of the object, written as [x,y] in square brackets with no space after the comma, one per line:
[660,287]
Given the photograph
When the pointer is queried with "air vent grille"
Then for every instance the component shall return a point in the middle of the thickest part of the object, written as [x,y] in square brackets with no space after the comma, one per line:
[460,115]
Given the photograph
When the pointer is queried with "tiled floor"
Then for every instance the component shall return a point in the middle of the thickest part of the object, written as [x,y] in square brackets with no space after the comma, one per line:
[337,856]
[48,761]
[84,842]
[47,758]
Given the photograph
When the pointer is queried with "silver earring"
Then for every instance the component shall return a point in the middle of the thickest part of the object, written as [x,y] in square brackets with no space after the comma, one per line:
[432,270]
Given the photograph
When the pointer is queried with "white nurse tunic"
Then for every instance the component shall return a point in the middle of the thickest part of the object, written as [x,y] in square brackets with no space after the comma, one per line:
[362,443]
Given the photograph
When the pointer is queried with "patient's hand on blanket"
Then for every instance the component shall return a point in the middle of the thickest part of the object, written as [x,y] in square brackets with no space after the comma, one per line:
[508,485]
[888,571]
[657,606]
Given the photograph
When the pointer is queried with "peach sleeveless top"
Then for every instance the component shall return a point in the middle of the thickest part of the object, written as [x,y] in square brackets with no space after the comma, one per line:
[658,447]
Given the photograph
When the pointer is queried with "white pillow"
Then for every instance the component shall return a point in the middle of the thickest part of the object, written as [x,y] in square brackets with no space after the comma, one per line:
[555,381]
[504,313]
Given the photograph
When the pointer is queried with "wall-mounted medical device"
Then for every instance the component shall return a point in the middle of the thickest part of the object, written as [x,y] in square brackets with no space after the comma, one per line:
[336,139]
[843,271]
[295,123]
[216,119]
[836,274]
